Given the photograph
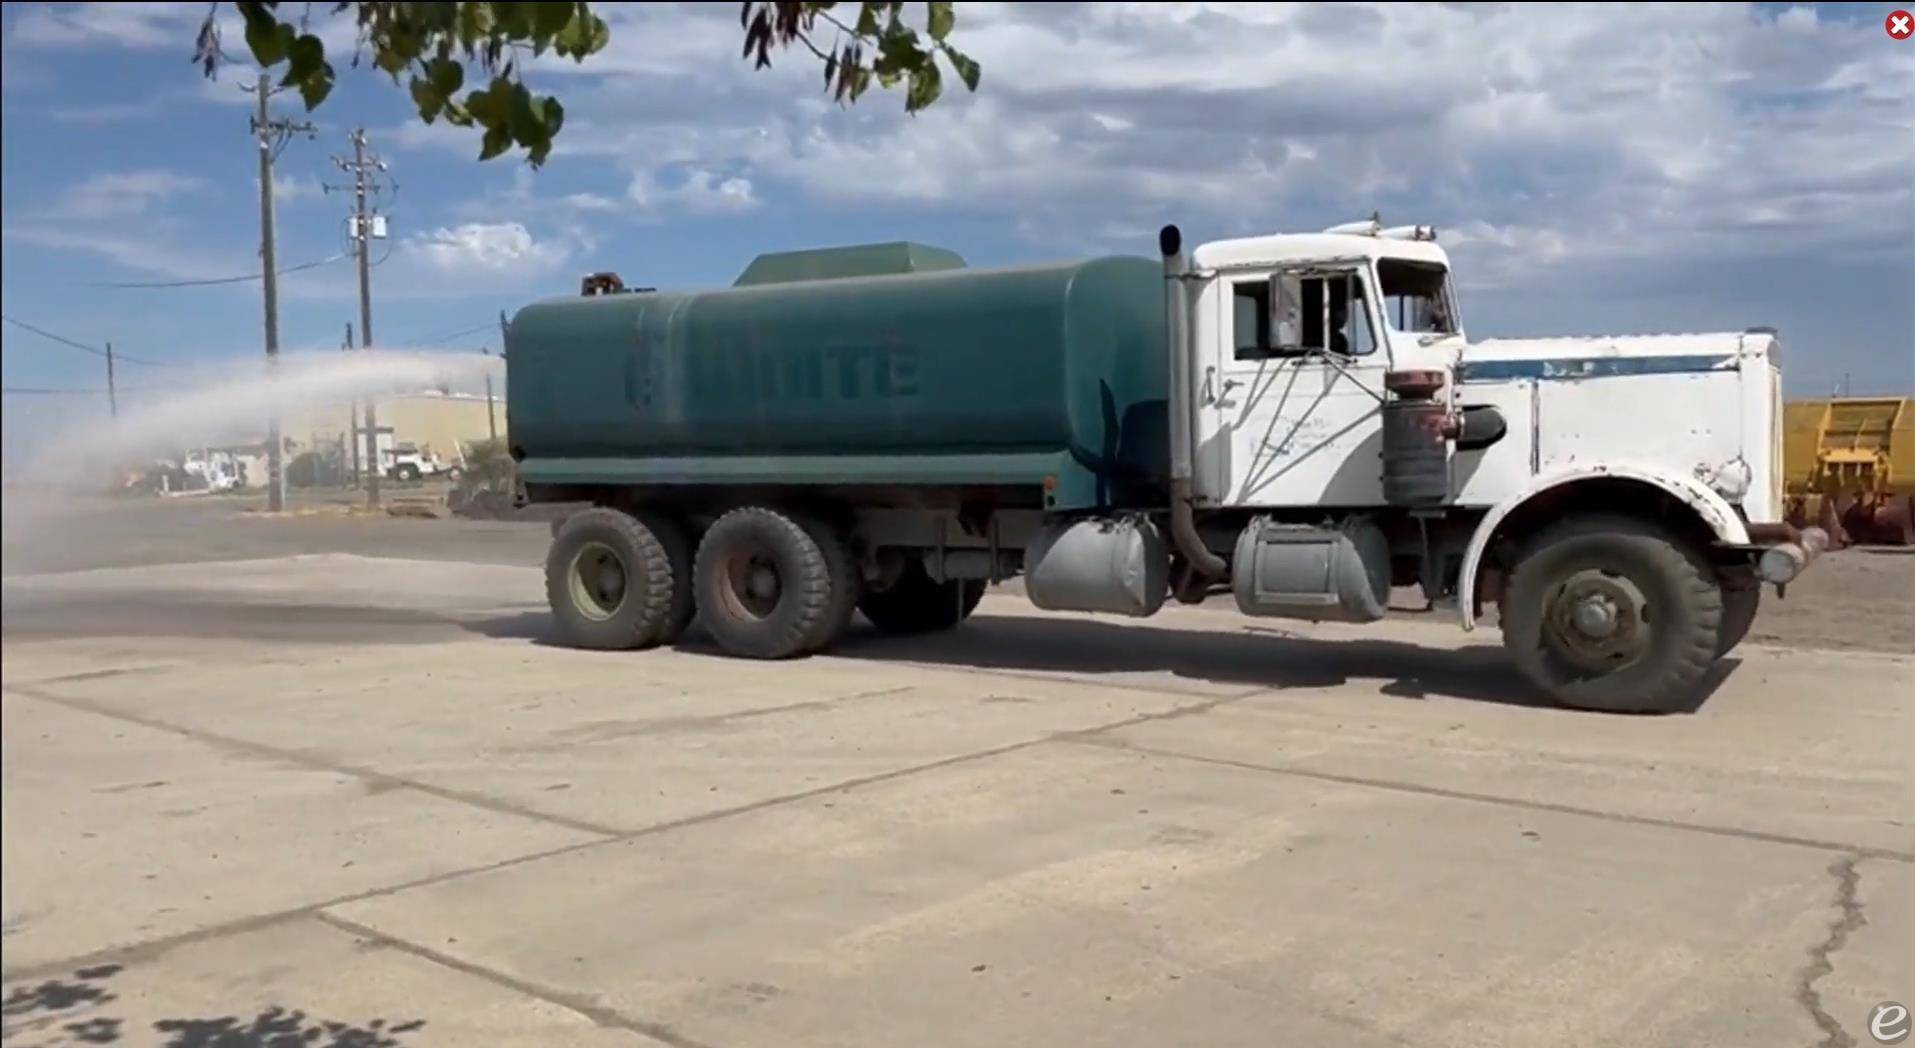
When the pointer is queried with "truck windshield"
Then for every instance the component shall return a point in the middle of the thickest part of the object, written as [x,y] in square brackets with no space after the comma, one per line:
[1416,296]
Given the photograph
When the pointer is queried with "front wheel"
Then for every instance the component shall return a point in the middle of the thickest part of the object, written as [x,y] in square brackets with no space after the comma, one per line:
[1740,600]
[1611,613]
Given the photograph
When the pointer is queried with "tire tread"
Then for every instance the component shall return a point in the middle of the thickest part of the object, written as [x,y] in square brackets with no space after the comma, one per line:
[651,571]
[811,584]
[1691,576]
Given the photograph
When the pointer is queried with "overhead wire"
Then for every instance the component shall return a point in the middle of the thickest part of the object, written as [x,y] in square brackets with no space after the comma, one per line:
[211,281]
[488,326]
[95,350]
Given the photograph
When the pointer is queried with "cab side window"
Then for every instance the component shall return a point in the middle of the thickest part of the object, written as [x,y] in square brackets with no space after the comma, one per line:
[1328,314]
[1250,319]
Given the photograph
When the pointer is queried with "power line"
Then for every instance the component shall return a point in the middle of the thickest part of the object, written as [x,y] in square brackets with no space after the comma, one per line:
[45,391]
[488,326]
[219,280]
[65,341]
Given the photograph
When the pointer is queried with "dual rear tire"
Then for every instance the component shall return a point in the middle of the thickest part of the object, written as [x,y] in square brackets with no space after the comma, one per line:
[618,580]
[765,583]
[772,585]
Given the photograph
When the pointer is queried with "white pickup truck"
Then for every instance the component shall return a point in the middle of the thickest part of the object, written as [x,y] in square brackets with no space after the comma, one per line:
[411,462]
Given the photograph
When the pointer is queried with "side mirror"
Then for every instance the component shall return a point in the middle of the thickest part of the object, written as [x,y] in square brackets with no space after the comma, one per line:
[1286,312]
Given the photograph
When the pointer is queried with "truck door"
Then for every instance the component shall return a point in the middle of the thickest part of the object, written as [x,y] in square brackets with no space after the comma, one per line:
[1289,401]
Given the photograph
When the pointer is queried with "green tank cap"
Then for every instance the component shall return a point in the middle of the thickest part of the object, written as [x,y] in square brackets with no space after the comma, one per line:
[856,260]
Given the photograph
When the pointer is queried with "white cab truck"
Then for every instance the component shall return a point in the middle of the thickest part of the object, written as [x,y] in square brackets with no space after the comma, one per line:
[1297,421]
[408,461]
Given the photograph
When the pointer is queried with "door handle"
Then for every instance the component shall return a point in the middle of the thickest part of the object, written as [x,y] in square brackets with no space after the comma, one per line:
[1210,394]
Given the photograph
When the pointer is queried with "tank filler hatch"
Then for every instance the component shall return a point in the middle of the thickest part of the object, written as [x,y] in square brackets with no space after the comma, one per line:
[855,260]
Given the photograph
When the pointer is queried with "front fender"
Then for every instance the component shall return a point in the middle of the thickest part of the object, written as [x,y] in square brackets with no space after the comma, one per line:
[1712,509]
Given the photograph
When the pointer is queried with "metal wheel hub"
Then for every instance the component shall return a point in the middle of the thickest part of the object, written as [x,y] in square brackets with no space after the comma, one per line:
[753,587]
[1598,620]
[597,581]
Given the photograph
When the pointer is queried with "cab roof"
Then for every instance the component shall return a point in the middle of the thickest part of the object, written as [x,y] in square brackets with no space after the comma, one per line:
[1248,252]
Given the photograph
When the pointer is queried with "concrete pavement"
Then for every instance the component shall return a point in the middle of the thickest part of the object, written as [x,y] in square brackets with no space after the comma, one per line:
[364,798]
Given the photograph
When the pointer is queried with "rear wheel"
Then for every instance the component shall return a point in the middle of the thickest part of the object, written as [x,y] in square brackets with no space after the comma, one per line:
[677,546]
[611,579]
[917,603]
[765,584]
[847,580]
[1611,613]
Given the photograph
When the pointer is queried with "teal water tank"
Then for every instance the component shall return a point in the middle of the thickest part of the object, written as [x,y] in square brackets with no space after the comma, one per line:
[932,375]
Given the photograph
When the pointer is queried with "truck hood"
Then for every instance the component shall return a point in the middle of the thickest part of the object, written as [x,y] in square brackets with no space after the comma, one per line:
[1506,358]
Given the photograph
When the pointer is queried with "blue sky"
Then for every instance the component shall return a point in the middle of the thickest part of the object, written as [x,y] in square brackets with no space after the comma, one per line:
[1594,169]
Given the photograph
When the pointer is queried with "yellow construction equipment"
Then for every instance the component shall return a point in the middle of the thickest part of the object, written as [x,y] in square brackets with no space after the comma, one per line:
[1849,466]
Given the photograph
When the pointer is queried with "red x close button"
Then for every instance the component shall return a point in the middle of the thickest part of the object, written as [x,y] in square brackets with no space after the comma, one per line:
[1900,24]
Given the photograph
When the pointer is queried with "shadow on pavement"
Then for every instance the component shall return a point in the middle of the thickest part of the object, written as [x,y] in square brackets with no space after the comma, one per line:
[1255,656]
[55,1012]
[184,616]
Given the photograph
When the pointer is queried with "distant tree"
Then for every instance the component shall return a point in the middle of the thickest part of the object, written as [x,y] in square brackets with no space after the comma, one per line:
[439,47]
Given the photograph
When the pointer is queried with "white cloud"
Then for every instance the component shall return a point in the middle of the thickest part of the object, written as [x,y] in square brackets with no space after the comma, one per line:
[1577,134]
[588,202]
[121,194]
[144,251]
[699,192]
[288,189]
[140,25]
[108,113]
[502,249]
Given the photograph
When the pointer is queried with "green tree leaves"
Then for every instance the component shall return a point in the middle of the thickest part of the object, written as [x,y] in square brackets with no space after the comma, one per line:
[437,47]
[902,55]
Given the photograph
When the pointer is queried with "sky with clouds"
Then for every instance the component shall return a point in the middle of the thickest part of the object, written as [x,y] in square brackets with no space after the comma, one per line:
[1599,169]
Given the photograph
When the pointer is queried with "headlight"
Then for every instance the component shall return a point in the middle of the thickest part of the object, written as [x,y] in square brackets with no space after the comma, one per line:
[1731,480]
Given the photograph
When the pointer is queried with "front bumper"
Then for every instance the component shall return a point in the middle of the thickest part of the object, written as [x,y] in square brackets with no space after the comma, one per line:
[1784,551]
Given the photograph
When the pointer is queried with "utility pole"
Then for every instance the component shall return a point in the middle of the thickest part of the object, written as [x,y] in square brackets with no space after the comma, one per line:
[270,135]
[491,420]
[360,166]
[113,398]
[352,434]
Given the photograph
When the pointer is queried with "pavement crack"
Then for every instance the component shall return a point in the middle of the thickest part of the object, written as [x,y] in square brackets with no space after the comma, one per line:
[92,675]
[583,1005]
[1849,919]
[1094,738]
[609,731]
[154,948]
[375,780]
